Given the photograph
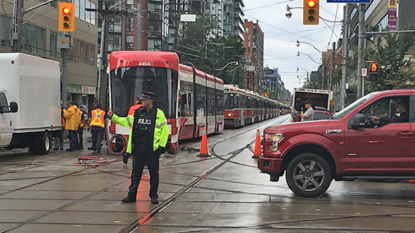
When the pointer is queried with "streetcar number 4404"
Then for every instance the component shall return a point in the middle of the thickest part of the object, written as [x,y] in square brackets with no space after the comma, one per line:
[144,63]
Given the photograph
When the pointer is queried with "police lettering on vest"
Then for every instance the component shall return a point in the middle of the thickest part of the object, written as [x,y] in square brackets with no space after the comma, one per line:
[144,121]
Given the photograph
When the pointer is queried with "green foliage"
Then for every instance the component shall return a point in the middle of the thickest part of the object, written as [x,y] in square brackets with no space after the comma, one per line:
[389,52]
[202,45]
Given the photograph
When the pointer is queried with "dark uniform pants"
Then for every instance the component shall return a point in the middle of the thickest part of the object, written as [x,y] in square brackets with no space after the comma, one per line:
[97,135]
[81,137]
[143,153]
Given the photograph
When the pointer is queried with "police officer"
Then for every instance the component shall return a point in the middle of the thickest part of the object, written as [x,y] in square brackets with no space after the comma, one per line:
[149,132]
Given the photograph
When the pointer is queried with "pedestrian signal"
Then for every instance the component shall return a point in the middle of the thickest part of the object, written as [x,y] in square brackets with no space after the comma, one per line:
[311,12]
[373,74]
[374,67]
[66,16]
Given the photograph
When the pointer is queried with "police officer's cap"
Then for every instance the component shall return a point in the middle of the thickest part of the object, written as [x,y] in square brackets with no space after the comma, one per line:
[145,95]
[307,102]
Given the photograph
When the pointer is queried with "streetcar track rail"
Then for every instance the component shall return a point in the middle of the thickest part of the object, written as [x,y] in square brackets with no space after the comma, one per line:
[196,181]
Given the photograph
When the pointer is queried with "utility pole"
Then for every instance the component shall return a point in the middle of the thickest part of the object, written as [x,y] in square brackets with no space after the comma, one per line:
[139,26]
[332,65]
[346,25]
[360,59]
[176,26]
[17,27]
[323,70]
[102,72]
[64,69]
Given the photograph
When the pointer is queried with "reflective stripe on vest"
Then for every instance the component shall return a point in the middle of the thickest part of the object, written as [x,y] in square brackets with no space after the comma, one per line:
[159,126]
[98,118]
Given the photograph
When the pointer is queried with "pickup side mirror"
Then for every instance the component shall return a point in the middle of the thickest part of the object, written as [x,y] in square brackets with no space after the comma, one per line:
[13,107]
[358,121]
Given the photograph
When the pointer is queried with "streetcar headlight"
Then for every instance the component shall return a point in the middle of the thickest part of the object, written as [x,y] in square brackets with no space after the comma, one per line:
[229,114]
[274,138]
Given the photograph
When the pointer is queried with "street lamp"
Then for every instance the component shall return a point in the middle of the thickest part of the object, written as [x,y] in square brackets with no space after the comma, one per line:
[298,54]
[298,45]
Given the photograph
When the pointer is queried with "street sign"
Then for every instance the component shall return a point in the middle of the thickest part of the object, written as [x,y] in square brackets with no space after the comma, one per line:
[63,42]
[364,72]
[249,68]
[348,1]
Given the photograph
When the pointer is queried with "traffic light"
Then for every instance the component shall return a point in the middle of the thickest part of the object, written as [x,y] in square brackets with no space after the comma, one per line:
[66,17]
[373,71]
[310,12]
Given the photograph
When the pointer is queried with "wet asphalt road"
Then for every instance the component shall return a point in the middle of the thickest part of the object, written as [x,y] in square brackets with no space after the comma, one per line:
[223,193]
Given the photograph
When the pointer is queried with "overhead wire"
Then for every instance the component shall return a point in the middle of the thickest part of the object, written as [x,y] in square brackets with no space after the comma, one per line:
[334,25]
[267,5]
[2,6]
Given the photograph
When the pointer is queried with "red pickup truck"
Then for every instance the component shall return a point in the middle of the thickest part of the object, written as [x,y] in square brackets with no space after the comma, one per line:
[372,138]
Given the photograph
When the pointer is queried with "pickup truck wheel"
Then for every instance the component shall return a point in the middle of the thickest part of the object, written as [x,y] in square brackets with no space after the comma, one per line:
[308,175]
[44,143]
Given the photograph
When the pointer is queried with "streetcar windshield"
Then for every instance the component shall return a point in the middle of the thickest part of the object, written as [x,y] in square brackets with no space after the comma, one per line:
[129,82]
[228,100]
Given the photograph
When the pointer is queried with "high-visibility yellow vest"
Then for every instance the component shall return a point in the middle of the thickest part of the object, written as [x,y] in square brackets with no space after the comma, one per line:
[98,118]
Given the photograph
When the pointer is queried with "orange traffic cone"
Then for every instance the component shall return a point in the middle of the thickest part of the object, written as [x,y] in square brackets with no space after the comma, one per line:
[257,151]
[203,146]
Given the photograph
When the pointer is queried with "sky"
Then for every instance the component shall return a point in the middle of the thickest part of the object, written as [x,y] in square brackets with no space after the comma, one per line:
[281,34]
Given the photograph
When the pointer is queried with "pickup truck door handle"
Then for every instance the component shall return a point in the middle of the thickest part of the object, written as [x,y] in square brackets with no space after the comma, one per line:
[407,133]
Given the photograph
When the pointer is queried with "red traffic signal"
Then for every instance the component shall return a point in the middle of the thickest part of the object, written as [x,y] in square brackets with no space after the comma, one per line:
[311,3]
[374,67]
[66,10]
[66,16]
[311,12]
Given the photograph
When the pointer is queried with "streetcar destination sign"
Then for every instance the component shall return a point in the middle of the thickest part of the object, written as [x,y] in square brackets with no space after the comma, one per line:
[348,1]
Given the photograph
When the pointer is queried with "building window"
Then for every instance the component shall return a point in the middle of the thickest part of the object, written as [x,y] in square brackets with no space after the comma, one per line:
[130,3]
[115,26]
[129,24]
[246,30]
[249,50]
[81,12]
[5,29]
[83,52]
[249,43]
[53,44]
[114,42]
[129,42]
[33,39]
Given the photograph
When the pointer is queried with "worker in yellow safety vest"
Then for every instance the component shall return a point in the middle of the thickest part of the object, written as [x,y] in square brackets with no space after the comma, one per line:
[97,125]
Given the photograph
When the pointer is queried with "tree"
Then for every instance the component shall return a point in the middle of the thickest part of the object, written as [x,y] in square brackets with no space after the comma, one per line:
[407,75]
[389,52]
[202,45]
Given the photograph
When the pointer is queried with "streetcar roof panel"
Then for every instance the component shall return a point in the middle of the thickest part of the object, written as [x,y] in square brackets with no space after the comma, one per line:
[144,58]
[188,69]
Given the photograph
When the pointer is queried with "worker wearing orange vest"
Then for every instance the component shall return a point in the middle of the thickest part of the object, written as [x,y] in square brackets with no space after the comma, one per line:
[134,107]
[97,125]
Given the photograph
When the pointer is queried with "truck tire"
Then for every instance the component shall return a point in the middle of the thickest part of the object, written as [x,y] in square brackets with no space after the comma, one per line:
[43,143]
[308,175]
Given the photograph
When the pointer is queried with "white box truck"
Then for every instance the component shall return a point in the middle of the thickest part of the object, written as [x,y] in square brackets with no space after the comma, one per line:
[319,98]
[30,108]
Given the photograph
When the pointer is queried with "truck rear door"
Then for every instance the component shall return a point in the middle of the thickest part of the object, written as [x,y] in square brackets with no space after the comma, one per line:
[5,121]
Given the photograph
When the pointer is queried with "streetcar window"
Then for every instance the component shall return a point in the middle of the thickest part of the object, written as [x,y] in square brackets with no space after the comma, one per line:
[228,99]
[219,101]
[201,100]
[129,82]
[186,107]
